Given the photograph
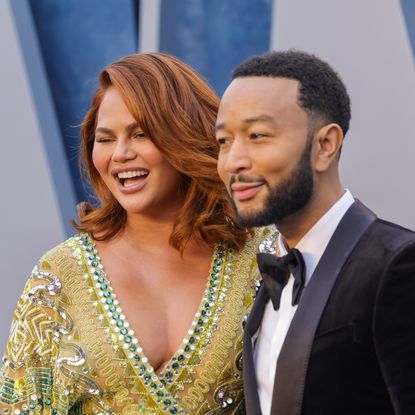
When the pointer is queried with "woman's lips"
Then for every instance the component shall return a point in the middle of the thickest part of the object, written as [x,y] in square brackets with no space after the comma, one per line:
[242,193]
[132,185]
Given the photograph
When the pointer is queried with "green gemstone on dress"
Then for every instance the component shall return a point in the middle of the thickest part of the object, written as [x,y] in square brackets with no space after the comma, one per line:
[92,256]
[110,301]
[95,264]
[216,269]
[48,401]
[113,308]
[175,365]
[107,294]
[153,385]
[207,305]
[128,339]
[216,262]
[203,312]
[173,410]
[147,377]
[191,340]
[116,316]
[200,322]
[98,272]
[137,357]
[133,348]
[169,375]
[160,394]
[124,331]
[215,276]
[180,358]
[101,280]
[32,406]
[211,297]
[167,401]
[104,287]
[54,411]
[89,248]
[120,323]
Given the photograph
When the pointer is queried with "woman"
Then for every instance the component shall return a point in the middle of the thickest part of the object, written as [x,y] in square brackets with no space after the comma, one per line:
[140,312]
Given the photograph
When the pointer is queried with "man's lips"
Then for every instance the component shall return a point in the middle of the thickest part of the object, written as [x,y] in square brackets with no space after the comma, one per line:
[245,191]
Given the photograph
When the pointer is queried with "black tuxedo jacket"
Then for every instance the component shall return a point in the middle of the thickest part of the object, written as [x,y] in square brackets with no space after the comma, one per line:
[350,349]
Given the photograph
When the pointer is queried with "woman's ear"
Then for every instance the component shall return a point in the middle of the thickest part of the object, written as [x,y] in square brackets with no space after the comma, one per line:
[327,145]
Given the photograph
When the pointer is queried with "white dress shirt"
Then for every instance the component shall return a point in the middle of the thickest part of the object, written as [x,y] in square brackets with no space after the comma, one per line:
[275,323]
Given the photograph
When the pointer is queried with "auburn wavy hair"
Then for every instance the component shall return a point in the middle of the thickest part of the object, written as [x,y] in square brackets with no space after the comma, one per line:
[177,109]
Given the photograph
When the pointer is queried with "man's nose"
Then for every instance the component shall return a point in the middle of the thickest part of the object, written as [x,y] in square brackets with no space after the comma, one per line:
[237,158]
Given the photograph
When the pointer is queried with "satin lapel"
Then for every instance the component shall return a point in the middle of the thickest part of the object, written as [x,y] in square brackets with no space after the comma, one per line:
[295,353]
[252,324]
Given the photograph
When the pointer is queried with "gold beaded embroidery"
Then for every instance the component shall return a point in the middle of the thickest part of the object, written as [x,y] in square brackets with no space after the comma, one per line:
[64,355]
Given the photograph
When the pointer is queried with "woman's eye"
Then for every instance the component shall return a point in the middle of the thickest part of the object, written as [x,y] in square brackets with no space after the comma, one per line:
[103,139]
[139,135]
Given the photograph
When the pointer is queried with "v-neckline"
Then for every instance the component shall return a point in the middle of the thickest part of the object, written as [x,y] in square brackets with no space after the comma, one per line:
[198,335]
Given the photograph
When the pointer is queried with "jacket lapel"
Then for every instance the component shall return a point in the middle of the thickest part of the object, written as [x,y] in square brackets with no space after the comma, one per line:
[295,353]
[252,325]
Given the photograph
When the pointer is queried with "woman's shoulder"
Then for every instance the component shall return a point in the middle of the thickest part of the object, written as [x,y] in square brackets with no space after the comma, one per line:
[65,248]
[59,259]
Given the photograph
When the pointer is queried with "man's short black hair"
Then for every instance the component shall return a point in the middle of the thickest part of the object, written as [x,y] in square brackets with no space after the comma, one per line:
[322,93]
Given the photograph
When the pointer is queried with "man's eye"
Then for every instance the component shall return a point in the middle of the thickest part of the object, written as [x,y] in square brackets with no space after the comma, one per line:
[257,135]
[221,141]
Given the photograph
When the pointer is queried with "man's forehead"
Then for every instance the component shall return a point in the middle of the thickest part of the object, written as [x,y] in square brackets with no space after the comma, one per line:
[261,83]
[261,89]
[260,95]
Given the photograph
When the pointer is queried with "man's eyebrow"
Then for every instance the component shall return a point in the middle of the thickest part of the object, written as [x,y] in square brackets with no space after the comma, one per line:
[263,118]
[220,126]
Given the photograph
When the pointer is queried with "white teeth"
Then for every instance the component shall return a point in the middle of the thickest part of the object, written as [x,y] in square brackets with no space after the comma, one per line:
[130,174]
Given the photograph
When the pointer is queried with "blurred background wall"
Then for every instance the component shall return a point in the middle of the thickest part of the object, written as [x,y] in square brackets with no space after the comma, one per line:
[52,52]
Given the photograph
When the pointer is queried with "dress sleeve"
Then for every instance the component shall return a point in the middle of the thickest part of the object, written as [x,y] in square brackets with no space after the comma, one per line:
[26,375]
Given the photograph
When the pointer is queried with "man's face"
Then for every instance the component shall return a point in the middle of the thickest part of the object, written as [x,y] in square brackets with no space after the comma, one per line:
[265,149]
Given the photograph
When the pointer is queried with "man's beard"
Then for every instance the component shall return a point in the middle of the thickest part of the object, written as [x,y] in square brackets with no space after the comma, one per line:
[287,198]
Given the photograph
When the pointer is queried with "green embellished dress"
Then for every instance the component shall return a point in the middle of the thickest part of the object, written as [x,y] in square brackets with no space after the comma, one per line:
[72,351]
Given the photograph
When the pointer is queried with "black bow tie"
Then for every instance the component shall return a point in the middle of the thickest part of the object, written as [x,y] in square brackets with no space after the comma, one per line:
[276,271]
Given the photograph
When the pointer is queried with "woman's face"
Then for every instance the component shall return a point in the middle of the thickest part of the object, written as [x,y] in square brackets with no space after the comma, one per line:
[131,166]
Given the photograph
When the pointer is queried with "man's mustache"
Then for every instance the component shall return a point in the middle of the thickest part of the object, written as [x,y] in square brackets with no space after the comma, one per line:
[240,178]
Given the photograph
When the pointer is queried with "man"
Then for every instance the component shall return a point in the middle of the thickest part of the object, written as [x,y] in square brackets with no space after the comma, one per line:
[332,330]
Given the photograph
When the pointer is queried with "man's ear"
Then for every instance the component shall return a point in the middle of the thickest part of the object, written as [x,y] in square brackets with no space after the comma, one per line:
[327,144]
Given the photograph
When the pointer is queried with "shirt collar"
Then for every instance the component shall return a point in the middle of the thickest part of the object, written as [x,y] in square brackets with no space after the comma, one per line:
[315,241]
